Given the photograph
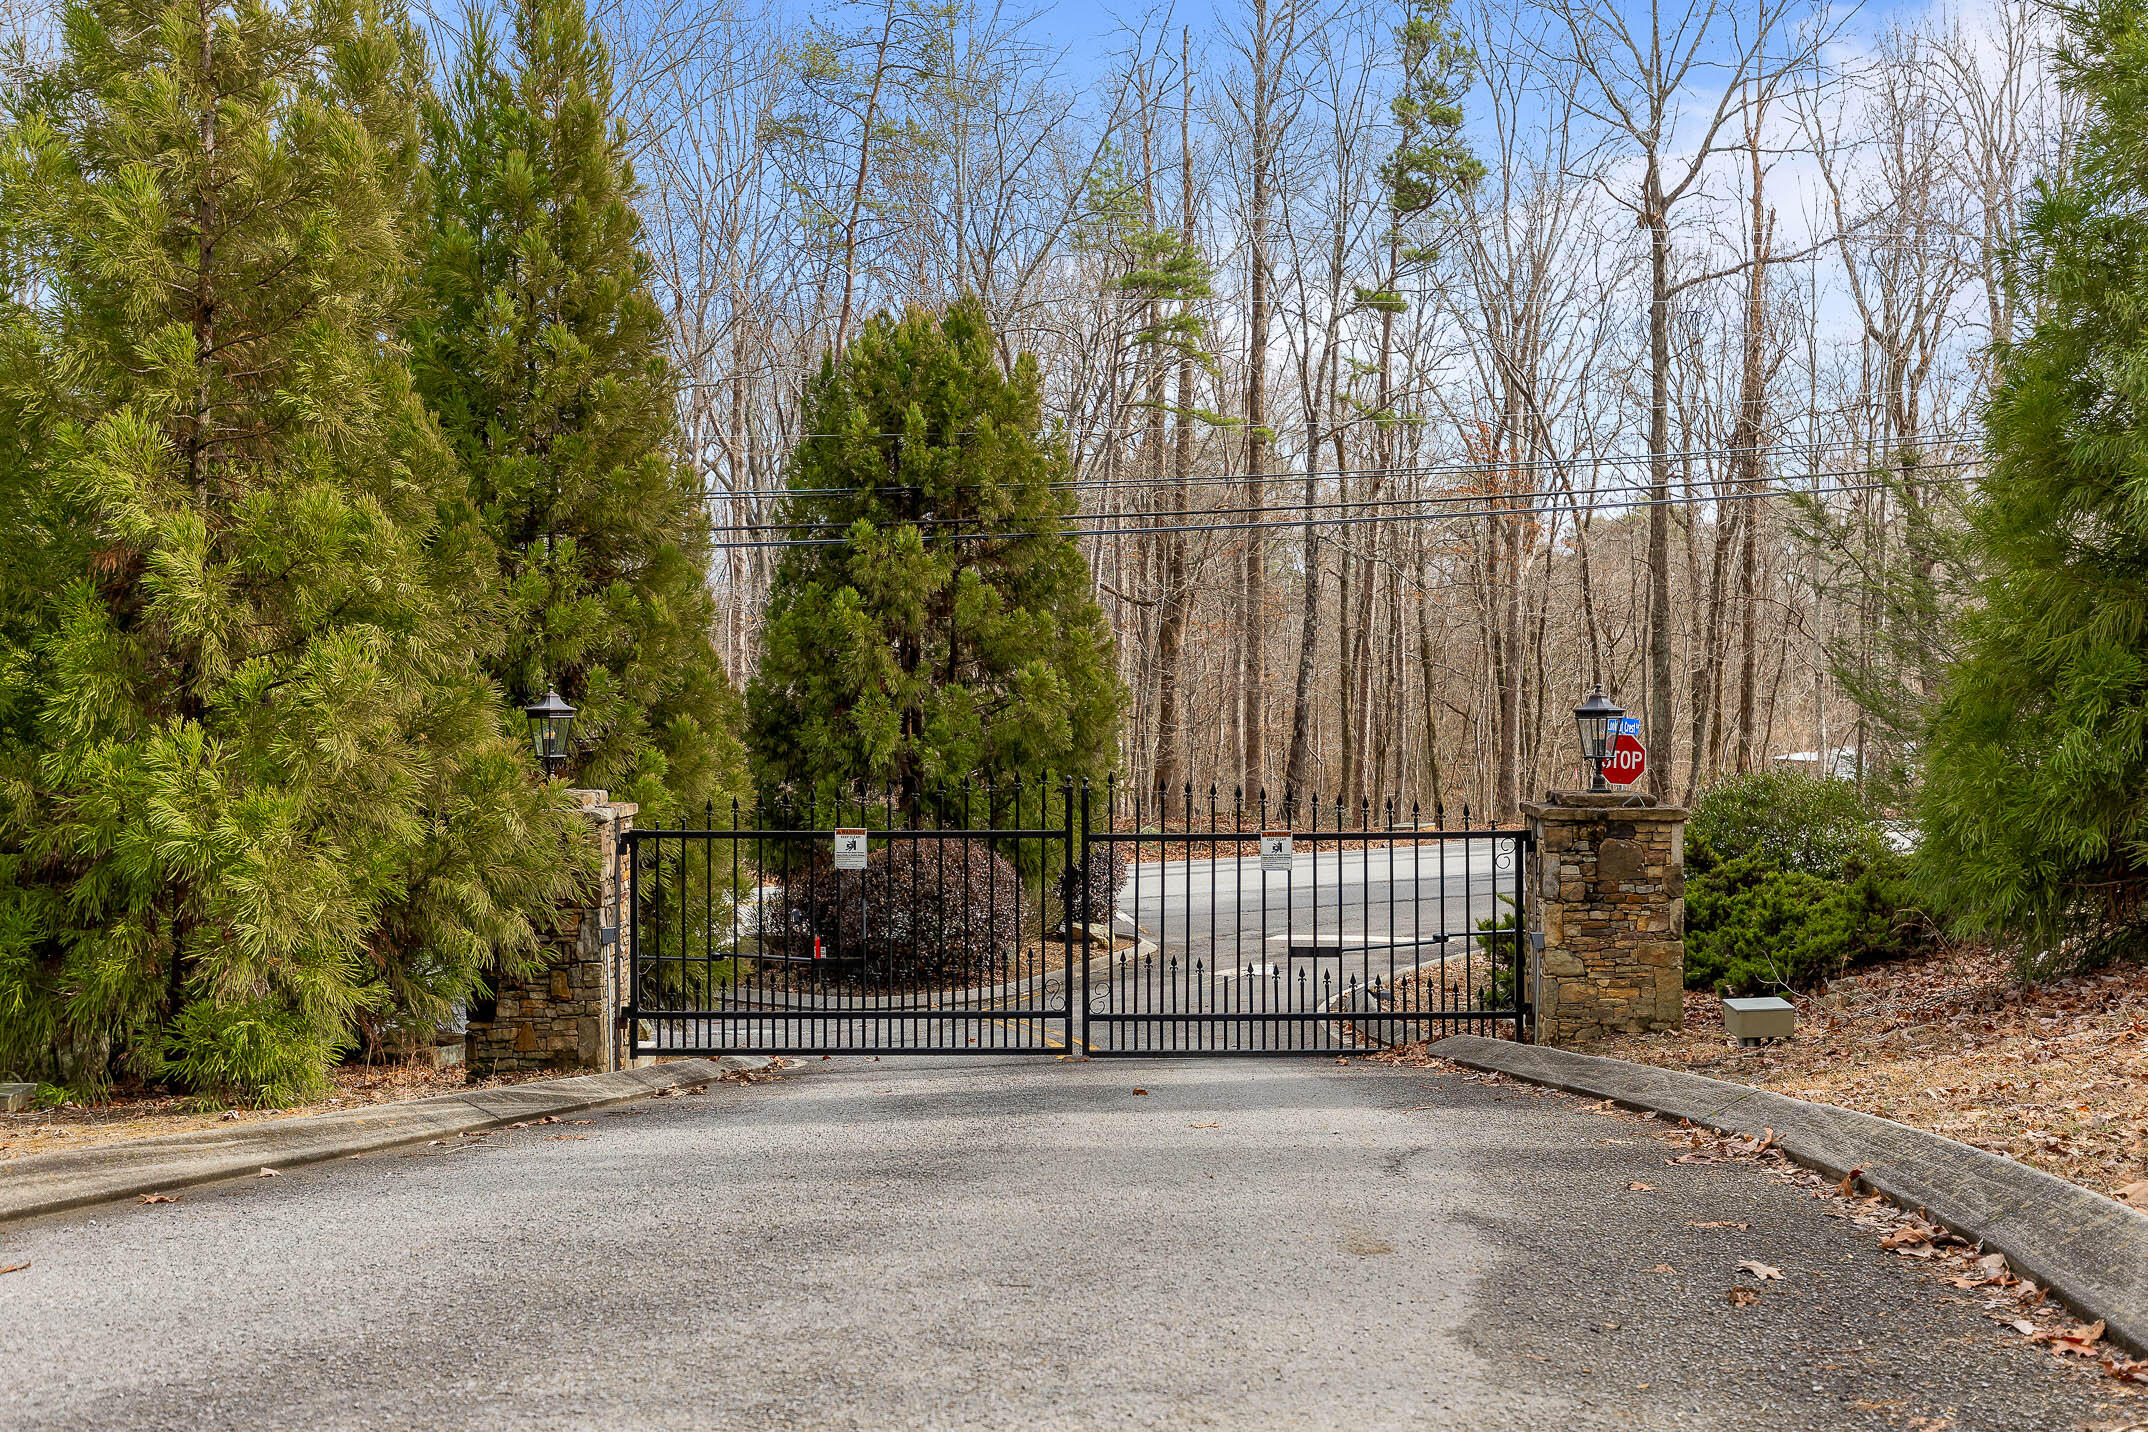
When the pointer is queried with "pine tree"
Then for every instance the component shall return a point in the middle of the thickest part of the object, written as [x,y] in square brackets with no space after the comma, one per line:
[2034,828]
[541,350]
[947,627]
[256,790]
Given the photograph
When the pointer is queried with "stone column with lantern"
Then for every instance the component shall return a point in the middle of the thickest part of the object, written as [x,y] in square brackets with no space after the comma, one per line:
[565,1016]
[1607,925]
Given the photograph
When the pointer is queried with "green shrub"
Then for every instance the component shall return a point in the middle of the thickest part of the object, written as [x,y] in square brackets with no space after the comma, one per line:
[920,911]
[1789,882]
[250,1053]
[1496,935]
[1787,819]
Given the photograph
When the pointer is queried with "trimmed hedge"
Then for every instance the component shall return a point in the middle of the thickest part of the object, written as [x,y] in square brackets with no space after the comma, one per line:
[1106,876]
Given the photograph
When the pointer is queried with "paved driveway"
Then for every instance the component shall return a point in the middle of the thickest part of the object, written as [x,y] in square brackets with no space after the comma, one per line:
[1009,1244]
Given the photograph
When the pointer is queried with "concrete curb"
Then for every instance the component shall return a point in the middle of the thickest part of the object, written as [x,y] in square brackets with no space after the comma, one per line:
[2090,1251]
[53,1183]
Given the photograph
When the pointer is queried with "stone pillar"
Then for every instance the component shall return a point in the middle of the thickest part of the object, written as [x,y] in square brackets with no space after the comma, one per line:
[566,1017]
[1609,920]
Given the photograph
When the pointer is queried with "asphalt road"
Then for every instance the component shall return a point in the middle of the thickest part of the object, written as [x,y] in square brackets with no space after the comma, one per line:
[998,1243]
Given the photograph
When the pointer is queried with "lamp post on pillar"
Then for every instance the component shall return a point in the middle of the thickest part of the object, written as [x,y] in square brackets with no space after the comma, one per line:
[1597,720]
[551,729]
[1607,923]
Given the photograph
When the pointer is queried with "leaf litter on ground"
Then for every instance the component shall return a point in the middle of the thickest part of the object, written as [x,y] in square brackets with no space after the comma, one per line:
[2053,1074]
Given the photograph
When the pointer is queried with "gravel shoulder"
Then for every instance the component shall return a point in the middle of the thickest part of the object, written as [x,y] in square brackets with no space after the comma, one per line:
[134,1115]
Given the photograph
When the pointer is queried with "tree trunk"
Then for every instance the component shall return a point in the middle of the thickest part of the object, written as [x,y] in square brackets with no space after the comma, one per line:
[1661,711]
[1253,572]
[1175,598]
[1752,427]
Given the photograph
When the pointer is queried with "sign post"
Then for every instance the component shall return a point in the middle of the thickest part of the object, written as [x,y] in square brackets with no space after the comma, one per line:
[1627,760]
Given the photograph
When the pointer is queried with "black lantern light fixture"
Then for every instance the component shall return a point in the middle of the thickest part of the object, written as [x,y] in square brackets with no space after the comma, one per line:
[1597,719]
[551,727]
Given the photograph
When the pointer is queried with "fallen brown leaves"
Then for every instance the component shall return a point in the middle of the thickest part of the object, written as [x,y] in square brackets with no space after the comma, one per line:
[2055,1075]
[156,1198]
[2016,1302]
[14,1268]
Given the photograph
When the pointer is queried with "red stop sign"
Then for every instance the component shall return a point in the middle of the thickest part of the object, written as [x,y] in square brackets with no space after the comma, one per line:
[1626,761]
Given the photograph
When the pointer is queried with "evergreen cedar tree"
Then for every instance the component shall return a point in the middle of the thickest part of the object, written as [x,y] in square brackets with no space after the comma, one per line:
[908,655]
[540,347]
[258,791]
[2034,825]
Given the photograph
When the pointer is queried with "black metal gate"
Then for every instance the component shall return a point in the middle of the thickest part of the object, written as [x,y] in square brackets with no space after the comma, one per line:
[949,936]
[1299,928]
[1050,918]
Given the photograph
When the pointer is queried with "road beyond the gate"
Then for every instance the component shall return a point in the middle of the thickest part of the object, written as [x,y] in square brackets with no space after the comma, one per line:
[1023,1244]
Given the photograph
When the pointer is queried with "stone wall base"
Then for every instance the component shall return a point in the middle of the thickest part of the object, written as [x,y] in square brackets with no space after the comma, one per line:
[566,1017]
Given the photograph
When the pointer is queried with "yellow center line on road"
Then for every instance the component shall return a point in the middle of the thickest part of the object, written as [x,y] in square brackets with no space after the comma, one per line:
[1020,1033]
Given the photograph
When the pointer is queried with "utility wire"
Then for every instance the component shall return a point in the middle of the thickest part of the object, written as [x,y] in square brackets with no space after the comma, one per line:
[1297,524]
[1443,469]
[1595,497]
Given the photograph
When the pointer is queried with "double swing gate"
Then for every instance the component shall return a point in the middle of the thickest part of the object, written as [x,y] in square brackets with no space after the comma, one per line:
[1047,917]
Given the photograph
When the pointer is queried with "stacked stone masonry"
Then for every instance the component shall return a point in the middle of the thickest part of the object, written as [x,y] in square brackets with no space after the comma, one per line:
[566,1017]
[1610,911]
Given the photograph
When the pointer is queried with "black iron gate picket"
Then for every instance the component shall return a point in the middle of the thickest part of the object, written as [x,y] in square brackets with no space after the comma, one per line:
[1053,918]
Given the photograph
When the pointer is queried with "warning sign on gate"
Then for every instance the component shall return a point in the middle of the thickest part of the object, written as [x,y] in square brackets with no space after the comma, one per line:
[850,850]
[1275,850]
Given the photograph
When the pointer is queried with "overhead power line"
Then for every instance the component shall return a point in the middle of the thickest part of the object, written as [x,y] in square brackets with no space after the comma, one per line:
[1811,451]
[1297,524]
[1623,495]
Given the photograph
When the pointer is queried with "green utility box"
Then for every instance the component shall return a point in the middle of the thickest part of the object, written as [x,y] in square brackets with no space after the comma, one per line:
[1752,1020]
